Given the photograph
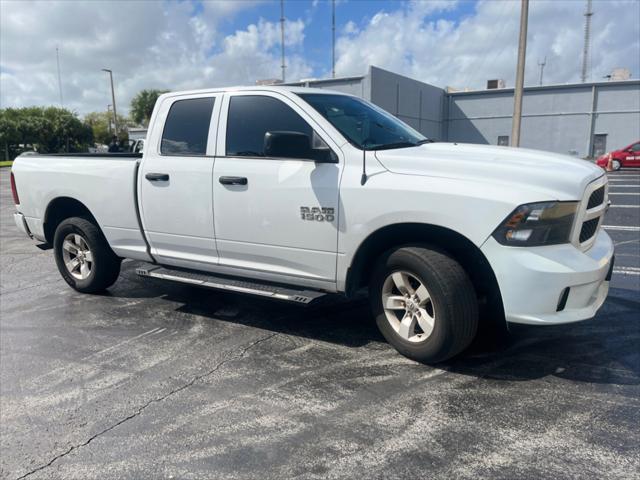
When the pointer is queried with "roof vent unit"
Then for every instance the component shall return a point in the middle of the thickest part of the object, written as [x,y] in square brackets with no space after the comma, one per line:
[493,84]
[269,81]
[620,74]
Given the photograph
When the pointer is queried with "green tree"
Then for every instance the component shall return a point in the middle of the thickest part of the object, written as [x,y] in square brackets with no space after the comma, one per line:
[8,132]
[43,129]
[101,124]
[142,105]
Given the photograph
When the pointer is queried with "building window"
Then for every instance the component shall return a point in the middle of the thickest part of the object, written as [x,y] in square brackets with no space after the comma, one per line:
[503,140]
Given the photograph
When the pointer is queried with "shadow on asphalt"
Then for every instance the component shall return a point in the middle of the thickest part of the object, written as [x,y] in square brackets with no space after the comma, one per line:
[604,350]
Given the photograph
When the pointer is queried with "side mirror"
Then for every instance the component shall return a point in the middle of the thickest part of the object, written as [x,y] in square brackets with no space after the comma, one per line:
[284,144]
[321,152]
[287,145]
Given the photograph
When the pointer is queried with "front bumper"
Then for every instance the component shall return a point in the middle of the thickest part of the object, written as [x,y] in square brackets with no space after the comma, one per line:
[532,280]
[21,223]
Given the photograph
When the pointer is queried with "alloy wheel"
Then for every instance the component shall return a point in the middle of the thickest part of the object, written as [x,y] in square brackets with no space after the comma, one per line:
[408,307]
[77,256]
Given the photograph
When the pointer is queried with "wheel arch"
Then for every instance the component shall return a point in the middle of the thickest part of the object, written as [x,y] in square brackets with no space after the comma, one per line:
[61,208]
[453,243]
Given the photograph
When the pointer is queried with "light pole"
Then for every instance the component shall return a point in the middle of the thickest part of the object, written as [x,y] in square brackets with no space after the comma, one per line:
[517,97]
[109,121]
[113,101]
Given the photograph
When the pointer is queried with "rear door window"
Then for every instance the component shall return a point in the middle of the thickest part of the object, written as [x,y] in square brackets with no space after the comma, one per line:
[251,116]
[187,127]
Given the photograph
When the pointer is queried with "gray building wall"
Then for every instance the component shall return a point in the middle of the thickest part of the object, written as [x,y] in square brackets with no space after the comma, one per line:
[557,118]
[359,86]
[416,103]
[560,119]
[618,113]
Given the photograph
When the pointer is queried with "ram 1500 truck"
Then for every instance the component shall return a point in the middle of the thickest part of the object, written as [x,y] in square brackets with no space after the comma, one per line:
[295,193]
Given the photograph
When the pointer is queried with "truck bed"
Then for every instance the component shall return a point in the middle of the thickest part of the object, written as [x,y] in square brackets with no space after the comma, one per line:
[104,183]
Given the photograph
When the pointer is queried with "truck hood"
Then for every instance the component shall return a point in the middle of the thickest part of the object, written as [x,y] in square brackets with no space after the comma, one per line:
[558,177]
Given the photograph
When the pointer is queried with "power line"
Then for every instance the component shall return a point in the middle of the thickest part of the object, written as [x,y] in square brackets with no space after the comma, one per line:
[587,43]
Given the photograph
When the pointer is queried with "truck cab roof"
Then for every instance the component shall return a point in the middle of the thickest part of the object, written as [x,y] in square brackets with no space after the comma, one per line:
[256,88]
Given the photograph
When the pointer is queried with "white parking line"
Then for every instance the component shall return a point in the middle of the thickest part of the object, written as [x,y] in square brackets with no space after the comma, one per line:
[622,228]
[624,206]
[627,270]
[624,186]
[624,193]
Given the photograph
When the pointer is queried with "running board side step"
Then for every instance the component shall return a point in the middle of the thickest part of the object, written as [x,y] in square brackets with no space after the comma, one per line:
[208,280]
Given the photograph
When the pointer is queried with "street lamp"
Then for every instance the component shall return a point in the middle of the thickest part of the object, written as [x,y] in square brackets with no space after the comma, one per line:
[109,120]
[113,100]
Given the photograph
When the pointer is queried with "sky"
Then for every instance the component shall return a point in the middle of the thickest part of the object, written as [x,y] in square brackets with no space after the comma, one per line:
[187,44]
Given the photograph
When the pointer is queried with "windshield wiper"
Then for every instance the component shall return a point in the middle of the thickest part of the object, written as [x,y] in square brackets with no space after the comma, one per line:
[389,146]
[426,140]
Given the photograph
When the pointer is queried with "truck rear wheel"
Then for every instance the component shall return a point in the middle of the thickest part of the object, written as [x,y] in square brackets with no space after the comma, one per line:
[83,256]
[424,303]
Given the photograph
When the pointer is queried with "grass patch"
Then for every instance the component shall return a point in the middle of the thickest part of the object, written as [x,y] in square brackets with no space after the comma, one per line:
[6,163]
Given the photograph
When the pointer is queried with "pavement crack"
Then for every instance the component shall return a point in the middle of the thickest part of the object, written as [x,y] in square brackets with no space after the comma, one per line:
[141,409]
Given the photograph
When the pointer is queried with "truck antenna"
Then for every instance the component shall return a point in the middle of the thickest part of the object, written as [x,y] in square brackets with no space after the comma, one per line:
[363,178]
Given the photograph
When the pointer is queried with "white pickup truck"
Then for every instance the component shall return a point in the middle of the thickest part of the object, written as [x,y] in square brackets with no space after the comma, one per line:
[294,193]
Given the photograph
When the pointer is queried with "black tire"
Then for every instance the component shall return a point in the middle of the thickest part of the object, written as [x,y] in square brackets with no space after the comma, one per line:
[453,300]
[105,267]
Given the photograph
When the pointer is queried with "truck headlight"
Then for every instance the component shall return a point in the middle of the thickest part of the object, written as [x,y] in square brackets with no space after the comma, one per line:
[535,224]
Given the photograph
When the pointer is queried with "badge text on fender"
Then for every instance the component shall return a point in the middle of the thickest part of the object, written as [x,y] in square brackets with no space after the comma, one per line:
[318,214]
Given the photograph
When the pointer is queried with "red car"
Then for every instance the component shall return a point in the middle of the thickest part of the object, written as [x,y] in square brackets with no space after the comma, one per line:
[625,157]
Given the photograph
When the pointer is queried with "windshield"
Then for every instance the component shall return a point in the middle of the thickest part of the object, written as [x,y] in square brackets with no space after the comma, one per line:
[363,124]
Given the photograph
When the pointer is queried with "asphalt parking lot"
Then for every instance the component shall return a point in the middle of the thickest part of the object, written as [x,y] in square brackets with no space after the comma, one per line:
[155,380]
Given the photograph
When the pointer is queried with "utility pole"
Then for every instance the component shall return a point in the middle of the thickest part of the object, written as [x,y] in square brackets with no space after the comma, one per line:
[541,65]
[113,100]
[59,77]
[517,97]
[283,66]
[333,38]
[587,42]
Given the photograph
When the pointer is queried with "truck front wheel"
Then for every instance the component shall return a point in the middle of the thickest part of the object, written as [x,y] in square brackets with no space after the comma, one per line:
[424,303]
[83,256]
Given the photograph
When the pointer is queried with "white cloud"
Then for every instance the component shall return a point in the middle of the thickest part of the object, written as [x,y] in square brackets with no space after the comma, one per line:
[179,45]
[147,44]
[413,41]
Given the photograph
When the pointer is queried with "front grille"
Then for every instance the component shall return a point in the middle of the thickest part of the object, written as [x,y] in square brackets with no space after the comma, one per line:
[596,198]
[589,229]
[589,218]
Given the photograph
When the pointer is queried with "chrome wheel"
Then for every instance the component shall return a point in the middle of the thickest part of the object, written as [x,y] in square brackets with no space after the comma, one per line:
[408,307]
[77,256]
[616,165]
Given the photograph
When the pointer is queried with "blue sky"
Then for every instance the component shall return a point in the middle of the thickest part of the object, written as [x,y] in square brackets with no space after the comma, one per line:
[186,44]
[317,15]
